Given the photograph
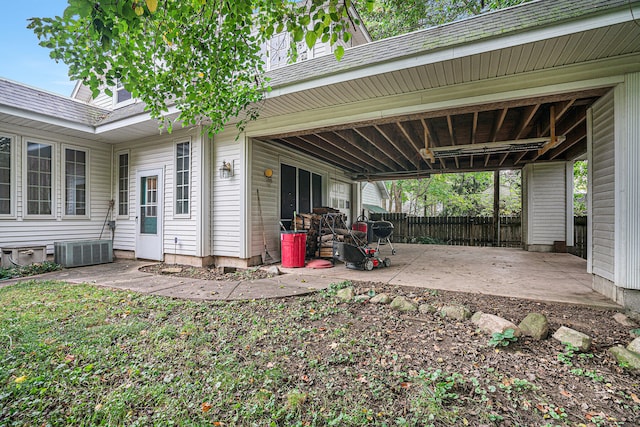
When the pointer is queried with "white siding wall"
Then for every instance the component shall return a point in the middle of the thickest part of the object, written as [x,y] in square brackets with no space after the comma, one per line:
[159,153]
[103,101]
[21,229]
[270,156]
[227,195]
[371,194]
[546,194]
[627,210]
[602,188]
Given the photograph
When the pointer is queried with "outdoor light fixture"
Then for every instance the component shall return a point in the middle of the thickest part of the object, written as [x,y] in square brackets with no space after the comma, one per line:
[226,170]
[268,173]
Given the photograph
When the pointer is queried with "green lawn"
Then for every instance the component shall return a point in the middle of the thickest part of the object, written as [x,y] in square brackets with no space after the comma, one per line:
[84,355]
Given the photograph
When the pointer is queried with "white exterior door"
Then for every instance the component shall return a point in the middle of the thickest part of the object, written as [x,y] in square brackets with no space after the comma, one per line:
[149,215]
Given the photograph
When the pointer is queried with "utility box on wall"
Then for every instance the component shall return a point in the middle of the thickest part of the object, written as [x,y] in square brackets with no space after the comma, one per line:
[15,256]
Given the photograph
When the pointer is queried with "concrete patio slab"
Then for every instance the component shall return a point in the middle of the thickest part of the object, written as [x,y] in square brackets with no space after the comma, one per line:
[509,272]
[493,271]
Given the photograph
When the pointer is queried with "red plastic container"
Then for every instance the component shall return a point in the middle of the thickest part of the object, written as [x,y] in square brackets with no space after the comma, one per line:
[294,247]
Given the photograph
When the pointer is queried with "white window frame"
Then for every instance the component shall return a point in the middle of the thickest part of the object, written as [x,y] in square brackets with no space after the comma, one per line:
[13,154]
[118,200]
[117,104]
[87,188]
[25,173]
[175,178]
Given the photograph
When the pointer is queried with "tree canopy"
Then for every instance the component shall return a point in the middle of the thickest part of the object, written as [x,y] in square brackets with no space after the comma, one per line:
[205,57]
[202,56]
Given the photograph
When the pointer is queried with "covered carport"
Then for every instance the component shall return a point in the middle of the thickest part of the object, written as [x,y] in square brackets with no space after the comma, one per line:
[511,89]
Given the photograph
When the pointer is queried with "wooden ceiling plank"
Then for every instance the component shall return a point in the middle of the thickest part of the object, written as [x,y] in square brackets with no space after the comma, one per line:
[343,149]
[411,157]
[368,134]
[312,150]
[352,137]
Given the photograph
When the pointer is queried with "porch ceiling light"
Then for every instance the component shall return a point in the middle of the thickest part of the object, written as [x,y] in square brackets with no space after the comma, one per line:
[226,170]
[491,147]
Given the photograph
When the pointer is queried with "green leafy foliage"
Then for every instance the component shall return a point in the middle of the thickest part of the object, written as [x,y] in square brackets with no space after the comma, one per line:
[202,57]
[389,18]
[462,194]
[28,270]
[503,339]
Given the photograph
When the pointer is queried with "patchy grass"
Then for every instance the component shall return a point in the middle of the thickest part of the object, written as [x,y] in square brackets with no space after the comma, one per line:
[84,355]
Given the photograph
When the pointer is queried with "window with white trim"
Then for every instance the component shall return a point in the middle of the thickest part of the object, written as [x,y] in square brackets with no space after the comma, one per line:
[121,96]
[75,182]
[5,175]
[39,178]
[183,156]
[123,184]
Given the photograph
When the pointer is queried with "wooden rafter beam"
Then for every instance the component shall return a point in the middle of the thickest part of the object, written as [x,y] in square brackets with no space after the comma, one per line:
[356,140]
[528,114]
[397,144]
[411,140]
[343,149]
[371,136]
[299,144]
[560,109]
[498,124]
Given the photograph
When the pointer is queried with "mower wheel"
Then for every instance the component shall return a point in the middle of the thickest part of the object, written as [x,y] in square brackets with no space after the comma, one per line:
[387,262]
[393,251]
[368,265]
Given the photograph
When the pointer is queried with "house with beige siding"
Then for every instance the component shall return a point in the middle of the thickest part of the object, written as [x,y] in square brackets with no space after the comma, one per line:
[532,87]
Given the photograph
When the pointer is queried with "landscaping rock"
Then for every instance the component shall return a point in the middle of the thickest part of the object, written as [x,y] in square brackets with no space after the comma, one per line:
[457,312]
[577,339]
[273,270]
[535,325]
[171,270]
[345,294]
[476,316]
[634,346]
[624,320]
[426,309]
[381,299]
[492,324]
[626,357]
[401,303]
[361,298]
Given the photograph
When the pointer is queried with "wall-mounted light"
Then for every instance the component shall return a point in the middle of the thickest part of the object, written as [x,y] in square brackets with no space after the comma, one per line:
[226,170]
[268,173]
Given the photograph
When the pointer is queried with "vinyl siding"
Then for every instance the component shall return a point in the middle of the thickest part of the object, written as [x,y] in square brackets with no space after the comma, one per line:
[29,230]
[627,131]
[371,194]
[270,156]
[603,188]
[547,203]
[226,197]
[159,153]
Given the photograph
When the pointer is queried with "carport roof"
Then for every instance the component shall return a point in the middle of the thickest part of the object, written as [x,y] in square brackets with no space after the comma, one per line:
[484,93]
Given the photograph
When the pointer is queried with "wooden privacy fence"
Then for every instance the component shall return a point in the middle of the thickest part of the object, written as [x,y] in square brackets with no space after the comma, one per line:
[470,231]
[453,230]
